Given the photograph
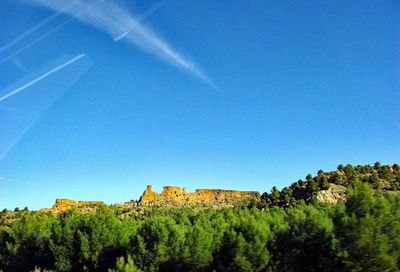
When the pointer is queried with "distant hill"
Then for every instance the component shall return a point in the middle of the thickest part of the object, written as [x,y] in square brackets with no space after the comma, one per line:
[331,186]
[286,230]
[325,187]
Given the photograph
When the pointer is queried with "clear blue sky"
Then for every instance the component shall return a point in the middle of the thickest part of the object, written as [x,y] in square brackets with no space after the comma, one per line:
[99,99]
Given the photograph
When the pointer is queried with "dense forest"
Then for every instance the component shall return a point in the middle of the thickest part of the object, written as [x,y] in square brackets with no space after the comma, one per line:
[381,177]
[286,230]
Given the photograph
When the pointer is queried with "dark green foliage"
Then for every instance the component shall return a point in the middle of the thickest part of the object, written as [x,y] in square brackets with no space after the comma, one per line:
[307,241]
[25,244]
[382,177]
[369,230]
[243,244]
[289,234]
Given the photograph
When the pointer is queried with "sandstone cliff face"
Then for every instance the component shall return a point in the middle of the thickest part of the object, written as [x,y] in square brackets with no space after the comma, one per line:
[63,204]
[172,195]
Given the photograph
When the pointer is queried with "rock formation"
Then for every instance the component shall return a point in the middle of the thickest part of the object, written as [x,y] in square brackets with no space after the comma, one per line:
[172,195]
[63,204]
[333,194]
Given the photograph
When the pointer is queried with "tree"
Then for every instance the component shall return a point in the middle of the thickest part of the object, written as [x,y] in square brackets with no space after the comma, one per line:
[377,165]
[244,245]
[375,181]
[369,230]
[308,242]
[125,266]
[323,183]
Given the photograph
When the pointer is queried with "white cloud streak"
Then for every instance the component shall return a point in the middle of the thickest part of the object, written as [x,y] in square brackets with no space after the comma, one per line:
[29,31]
[140,19]
[52,71]
[45,35]
[120,37]
[17,181]
[35,41]
[119,23]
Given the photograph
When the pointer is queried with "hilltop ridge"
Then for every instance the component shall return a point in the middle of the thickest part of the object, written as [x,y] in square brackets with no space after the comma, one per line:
[324,187]
[63,204]
[172,195]
[332,186]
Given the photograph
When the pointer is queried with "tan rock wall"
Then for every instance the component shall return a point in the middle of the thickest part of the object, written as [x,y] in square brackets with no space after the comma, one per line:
[176,195]
[63,204]
[90,203]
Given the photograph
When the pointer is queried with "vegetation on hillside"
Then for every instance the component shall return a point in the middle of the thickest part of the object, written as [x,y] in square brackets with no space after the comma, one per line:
[380,177]
[359,234]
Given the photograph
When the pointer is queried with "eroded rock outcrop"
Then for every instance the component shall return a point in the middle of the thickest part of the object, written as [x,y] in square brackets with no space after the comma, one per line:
[333,194]
[172,195]
[63,204]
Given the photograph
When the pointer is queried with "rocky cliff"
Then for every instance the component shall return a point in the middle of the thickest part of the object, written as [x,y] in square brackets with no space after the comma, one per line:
[332,195]
[172,195]
[63,204]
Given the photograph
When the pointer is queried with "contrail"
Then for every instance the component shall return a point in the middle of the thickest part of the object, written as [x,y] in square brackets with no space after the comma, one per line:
[29,31]
[151,10]
[5,151]
[52,71]
[140,19]
[48,32]
[32,29]
[119,37]
[109,17]
[36,40]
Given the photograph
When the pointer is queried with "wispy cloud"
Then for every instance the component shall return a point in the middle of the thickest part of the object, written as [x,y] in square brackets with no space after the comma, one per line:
[18,116]
[140,19]
[52,71]
[29,31]
[19,65]
[121,36]
[120,24]
[44,35]
[35,41]
[5,180]
[3,152]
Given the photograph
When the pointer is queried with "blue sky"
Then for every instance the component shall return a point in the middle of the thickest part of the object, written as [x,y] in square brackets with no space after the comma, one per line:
[100,98]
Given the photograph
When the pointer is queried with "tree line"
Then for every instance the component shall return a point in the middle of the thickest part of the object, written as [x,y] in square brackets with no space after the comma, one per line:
[381,177]
[361,233]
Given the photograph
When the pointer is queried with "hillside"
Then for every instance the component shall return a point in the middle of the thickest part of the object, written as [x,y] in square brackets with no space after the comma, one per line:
[331,186]
[325,187]
[287,230]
